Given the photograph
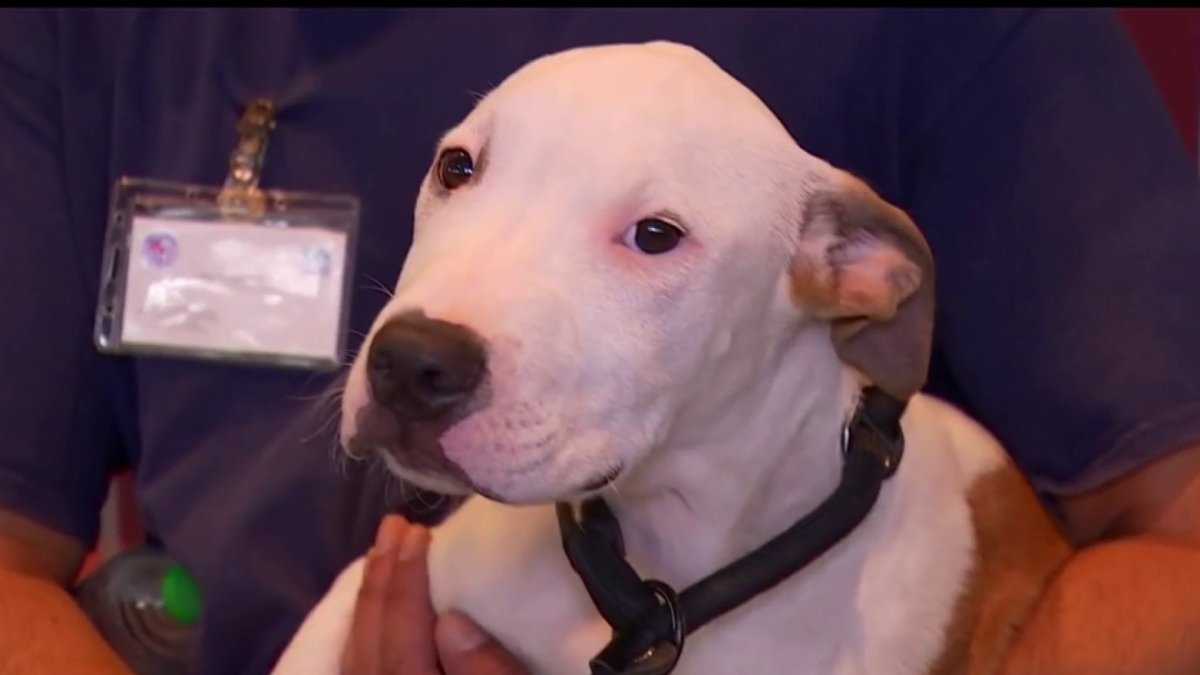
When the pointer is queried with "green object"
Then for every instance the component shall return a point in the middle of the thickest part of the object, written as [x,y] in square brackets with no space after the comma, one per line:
[181,595]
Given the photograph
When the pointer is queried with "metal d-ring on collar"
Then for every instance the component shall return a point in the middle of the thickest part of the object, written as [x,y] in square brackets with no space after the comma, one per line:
[651,621]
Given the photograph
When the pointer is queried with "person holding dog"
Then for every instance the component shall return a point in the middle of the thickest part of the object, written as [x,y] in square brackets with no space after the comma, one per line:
[1030,146]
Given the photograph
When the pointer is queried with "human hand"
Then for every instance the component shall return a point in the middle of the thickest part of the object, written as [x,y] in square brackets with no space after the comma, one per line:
[395,631]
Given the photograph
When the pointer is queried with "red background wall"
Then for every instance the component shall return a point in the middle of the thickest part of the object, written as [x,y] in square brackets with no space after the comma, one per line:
[1169,40]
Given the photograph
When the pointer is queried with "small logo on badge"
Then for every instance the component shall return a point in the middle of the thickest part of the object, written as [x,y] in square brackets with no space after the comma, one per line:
[317,261]
[160,250]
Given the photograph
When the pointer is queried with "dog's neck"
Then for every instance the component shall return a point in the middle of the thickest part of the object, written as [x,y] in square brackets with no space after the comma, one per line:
[763,463]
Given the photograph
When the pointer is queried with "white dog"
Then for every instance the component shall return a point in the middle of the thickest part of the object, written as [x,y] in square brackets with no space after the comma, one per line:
[628,280]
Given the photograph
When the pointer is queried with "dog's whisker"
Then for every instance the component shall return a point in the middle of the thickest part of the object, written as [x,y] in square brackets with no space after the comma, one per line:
[334,386]
[423,505]
[389,484]
[330,422]
[353,352]
[479,94]
[341,461]
[338,456]
[376,285]
[326,406]
[416,501]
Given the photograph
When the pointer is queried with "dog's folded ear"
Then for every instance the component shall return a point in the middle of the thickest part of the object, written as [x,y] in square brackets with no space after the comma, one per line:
[861,263]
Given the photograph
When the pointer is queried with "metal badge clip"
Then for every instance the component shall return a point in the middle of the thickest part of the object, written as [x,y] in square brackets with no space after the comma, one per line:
[241,194]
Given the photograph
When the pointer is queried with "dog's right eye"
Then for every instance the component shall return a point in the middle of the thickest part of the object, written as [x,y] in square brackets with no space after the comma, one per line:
[653,236]
[455,168]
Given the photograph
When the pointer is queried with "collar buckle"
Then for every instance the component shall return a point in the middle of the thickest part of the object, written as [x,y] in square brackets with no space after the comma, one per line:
[659,659]
[865,433]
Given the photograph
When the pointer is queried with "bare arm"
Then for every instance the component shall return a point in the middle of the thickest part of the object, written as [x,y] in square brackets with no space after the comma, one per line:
[42,630]
[1129,602]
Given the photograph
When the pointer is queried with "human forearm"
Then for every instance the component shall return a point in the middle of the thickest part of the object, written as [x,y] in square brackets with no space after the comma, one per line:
[43,631]
[1127,607]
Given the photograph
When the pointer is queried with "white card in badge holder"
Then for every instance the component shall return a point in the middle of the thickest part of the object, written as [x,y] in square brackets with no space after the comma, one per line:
[233,273]
[183,279]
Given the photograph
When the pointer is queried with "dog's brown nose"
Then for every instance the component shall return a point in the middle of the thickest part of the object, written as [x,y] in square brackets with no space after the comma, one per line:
[421,368]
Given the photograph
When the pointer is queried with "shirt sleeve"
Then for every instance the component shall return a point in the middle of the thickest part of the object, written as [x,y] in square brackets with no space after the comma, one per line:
[56,426]
[1064,215]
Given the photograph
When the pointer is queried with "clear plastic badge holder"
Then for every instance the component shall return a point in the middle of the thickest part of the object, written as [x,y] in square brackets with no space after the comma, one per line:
[184,276]
[230,273]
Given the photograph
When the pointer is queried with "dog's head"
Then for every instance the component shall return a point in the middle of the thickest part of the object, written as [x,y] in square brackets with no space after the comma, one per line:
[608,249]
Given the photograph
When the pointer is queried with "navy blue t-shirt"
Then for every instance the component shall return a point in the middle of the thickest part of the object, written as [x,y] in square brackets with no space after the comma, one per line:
[1030,147]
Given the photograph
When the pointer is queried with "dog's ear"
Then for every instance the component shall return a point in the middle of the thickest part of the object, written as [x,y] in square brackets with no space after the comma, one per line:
[861,263]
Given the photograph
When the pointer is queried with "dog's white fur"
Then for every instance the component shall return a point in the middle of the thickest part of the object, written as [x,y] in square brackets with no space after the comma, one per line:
[693,371]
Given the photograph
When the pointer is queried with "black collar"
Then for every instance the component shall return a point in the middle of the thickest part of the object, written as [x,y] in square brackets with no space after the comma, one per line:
[650,620]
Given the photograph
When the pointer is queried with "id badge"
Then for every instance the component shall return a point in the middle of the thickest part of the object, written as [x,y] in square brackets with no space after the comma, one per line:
[228,273]
[185,278]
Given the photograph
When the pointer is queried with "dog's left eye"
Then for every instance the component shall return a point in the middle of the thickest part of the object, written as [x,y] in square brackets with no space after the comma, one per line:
[653,236]
[455,168]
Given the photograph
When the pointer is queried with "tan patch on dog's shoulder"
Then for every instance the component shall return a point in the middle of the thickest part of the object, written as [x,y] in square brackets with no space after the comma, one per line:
[1019,549]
